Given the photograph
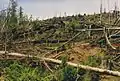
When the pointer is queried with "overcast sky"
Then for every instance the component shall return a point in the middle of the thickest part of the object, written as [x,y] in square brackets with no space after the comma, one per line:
[49,8]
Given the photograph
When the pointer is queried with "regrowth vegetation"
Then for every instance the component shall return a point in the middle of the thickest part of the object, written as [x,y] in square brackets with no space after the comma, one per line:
[42,36]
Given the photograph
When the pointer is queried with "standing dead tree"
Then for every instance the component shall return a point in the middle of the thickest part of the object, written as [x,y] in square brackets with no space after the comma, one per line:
[4,29]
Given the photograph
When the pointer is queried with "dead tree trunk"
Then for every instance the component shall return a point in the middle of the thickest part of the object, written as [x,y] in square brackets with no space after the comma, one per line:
[107,40]
[105,71]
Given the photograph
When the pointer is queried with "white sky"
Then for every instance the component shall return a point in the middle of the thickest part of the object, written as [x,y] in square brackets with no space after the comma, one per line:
[49,8]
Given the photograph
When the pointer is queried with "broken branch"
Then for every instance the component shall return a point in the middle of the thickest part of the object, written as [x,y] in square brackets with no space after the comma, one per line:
[105,71]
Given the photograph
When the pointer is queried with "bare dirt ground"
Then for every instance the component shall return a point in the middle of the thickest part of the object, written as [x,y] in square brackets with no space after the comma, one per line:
[78,53]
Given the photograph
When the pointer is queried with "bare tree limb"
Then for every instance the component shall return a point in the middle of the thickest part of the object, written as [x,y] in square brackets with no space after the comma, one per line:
[105,71]
[47,66]
[108,42]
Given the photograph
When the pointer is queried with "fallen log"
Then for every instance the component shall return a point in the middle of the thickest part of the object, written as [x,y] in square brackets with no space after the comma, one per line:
[63,44]
[105,71]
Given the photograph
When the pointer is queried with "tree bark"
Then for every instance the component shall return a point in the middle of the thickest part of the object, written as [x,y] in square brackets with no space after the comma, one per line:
[107,40]
[104,71]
